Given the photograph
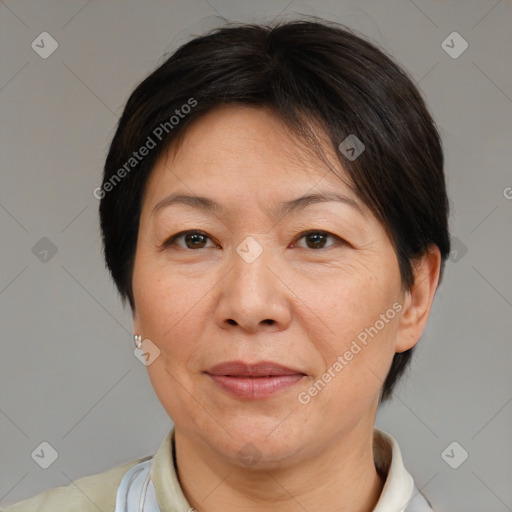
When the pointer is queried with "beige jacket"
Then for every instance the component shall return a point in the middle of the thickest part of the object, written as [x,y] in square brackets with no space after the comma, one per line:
[98,492]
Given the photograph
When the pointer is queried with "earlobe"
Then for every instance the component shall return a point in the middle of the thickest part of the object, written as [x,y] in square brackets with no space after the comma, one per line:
[418,300]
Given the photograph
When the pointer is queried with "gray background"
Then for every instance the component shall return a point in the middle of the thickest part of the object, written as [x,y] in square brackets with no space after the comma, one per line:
[68,372]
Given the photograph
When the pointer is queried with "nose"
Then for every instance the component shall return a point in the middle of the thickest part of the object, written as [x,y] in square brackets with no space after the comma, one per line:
[253,295]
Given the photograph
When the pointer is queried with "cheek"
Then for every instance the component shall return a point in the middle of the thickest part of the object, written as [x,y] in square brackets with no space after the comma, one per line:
[170,312]
[352,303]
[168,306]
[361,313]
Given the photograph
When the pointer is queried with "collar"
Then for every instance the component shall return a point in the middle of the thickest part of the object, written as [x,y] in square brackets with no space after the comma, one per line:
[398,493]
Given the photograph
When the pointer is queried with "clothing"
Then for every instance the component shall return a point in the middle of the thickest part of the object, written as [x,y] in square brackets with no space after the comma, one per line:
[152,484]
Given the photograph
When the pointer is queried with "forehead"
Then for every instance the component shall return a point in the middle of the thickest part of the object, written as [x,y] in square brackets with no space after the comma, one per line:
[238,149]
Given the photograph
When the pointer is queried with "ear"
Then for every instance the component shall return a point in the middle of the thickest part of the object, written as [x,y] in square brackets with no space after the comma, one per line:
[418,300]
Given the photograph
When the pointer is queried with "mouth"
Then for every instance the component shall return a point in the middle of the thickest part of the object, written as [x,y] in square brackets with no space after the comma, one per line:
[261,380]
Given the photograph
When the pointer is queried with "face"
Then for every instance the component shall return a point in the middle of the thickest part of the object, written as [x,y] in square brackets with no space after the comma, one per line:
[314,288]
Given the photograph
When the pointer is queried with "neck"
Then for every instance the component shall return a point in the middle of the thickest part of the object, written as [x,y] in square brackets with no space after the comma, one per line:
[340,476]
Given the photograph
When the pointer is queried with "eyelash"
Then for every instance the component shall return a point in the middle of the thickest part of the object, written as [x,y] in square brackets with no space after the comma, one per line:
[171,241]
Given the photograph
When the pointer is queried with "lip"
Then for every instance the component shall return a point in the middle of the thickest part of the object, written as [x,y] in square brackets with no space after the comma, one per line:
[261,369]
[253,381]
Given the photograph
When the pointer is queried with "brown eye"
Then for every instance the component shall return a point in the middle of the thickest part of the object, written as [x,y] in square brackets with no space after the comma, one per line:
[192,240]
[317,239]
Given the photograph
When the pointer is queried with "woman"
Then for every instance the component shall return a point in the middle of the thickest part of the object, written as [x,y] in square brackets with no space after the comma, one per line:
[274,210]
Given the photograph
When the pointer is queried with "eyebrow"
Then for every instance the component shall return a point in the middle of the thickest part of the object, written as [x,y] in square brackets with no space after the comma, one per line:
[207,204]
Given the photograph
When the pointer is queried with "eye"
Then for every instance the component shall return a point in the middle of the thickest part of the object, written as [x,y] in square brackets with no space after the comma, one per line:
[193,239]
[316,239]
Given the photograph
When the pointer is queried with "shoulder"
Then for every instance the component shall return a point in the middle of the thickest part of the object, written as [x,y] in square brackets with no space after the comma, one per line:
[89,493]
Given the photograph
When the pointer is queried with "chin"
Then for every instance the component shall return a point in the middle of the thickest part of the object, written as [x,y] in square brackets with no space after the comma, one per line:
[259,444]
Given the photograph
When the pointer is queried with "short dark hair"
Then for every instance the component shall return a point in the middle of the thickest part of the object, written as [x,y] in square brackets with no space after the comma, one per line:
[309,73]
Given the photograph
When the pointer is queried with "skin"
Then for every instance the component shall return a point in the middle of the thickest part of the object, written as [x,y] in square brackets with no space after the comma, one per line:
[201,304]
